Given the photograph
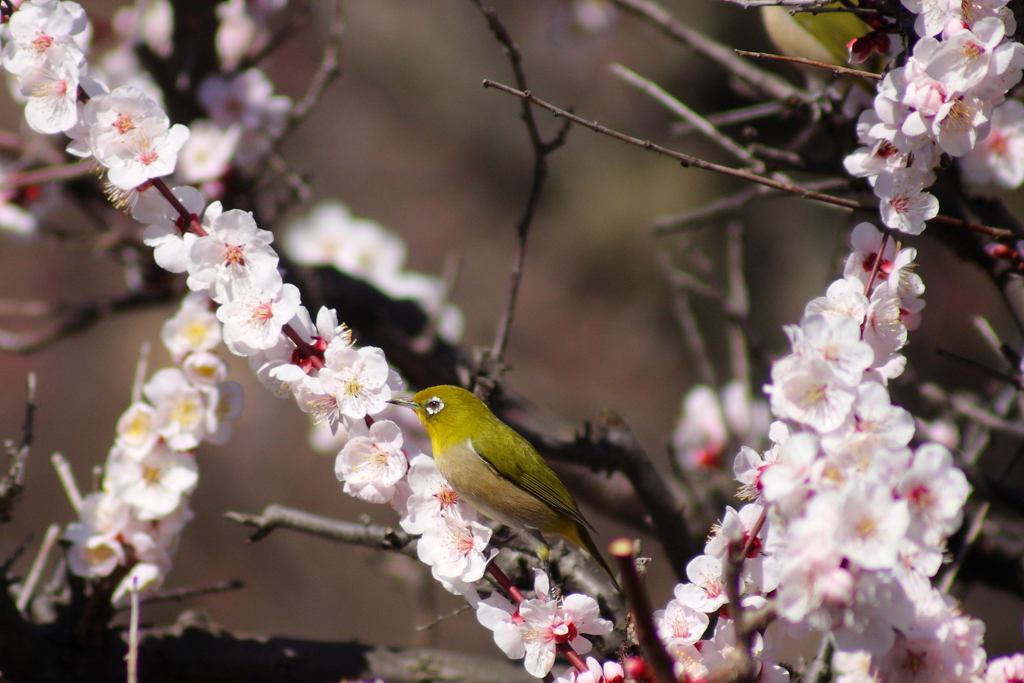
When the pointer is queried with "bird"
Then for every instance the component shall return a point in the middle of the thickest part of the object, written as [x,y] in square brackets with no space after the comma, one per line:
[498,472]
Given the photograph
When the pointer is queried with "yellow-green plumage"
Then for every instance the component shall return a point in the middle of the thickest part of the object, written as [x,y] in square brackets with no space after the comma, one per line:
[495,469]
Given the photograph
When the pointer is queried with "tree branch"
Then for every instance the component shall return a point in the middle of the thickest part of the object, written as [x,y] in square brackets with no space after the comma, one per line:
[368,535]
[688,161]
[491,365]
[763,81]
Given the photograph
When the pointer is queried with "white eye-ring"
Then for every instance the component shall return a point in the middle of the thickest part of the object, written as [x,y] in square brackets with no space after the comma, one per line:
[434,406]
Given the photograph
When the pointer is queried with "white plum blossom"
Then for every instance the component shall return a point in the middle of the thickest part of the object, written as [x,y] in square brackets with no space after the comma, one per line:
[246,99]
[95,549]
[358,380]
[432,498]
[52,91]
[807,391]
[204,370]
[234,253]
[706,592]
[999,158]
[701,434]
[679,624]
[154,484]
[502,618]
[872,525]
[193,329]
[256,312]
[903,205]
[935,491]
[455,551]
[149,151]
[207,153]
[136,429]
[179,408]
[372,464]
[40,27]
[547,623]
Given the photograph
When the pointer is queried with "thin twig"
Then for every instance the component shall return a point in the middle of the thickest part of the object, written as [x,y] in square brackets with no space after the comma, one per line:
[329,69]
[991,372]
[681,110]
[182,594]
[780,3]
[541,150]
[763,81]
[297,21]
[737,305]
[444,617]
[681,282]
[38,564]
[963,406]
[732,205]
[369,535]
[877,265]
[77,317]
[732,117]
[695,162]
[140,372]
[67,480]
[836,70]
[643,618]
[49,174]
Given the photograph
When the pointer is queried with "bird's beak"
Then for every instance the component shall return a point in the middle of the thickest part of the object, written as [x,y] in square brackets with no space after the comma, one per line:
[406,402]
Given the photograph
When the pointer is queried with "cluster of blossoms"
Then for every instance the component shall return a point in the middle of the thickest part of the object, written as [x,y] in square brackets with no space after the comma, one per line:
[331,236]
[949,98]
[238,296]
[846,524]
[132,524]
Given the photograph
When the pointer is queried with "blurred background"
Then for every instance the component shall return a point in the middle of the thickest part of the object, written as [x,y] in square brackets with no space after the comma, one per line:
[408,137]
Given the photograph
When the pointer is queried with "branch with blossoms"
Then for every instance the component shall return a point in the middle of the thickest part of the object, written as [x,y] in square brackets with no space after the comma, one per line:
[845,507]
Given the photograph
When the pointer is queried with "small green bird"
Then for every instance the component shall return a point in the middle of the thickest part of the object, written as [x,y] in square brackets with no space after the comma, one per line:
[497,471]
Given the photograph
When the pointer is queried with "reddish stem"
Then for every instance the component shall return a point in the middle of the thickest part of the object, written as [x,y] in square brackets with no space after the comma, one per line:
[878,264]
[304,348]
[187,217]
[505,583]
[517,595]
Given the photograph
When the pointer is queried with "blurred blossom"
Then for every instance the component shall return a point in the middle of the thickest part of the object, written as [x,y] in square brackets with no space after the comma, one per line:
[153,28]
[207,153]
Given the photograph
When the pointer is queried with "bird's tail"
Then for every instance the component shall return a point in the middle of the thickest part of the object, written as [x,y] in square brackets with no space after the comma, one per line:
[579,535]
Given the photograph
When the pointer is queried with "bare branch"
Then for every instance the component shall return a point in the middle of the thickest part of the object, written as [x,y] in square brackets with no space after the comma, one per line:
[182,594]
[77,318]
[367,535]
[328,70]
[682,283]
[836,70]
[780,3]
[699,123]
[688,161]
[763,81]
[732,205]
[732,117]
[50,174]
[492,363]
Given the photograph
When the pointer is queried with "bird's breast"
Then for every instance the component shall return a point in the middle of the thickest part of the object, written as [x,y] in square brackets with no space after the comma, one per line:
[491,494]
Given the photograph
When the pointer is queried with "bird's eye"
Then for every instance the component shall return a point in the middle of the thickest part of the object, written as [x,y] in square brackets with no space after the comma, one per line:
[434,406]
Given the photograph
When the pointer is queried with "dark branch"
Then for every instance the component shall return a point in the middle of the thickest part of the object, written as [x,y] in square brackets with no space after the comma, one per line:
[491,365]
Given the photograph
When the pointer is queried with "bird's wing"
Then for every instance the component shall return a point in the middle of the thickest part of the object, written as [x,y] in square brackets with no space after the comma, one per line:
[537,479]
